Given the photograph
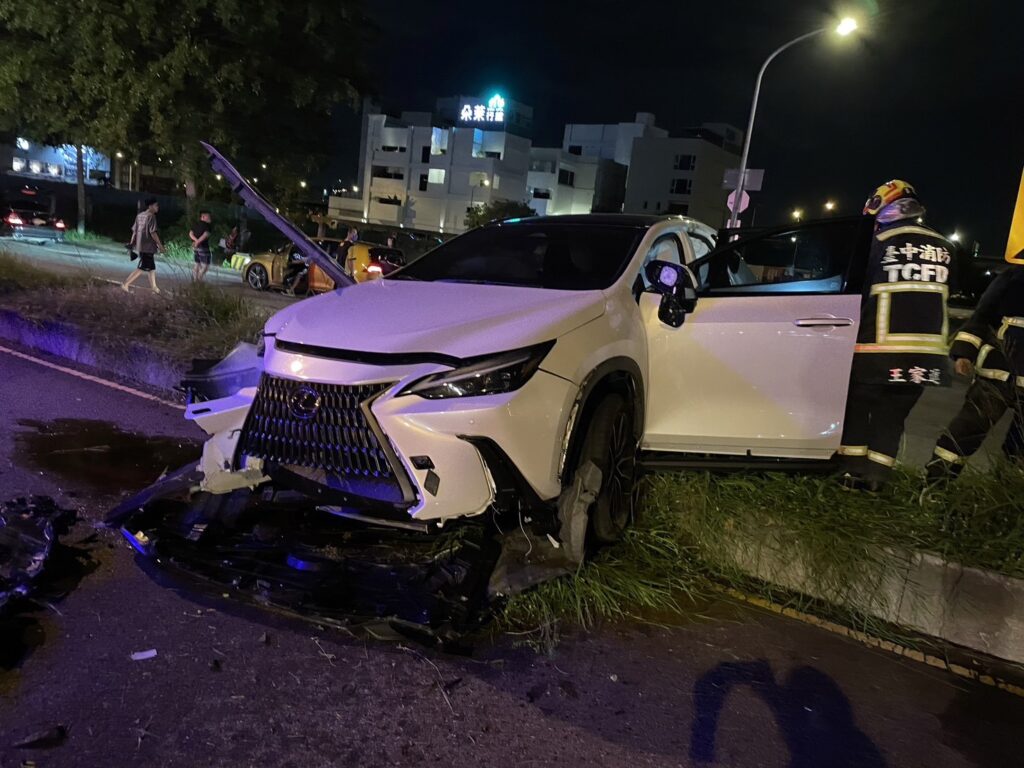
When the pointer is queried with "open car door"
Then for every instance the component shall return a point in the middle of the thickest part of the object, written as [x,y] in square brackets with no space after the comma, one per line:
[761,365]
[268,211]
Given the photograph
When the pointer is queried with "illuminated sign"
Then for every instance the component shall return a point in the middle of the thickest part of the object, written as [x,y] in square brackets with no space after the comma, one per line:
[492,112]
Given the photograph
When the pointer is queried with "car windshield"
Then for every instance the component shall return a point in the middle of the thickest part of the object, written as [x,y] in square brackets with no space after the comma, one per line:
[545,254]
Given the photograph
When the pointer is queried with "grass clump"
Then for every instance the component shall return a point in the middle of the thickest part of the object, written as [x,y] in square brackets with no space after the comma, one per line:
[652,571]
[88,238]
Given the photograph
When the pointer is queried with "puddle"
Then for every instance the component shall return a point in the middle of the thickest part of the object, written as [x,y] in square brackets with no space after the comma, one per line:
[99,455]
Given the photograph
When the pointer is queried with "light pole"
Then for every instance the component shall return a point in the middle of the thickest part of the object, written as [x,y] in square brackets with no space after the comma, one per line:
[844,28]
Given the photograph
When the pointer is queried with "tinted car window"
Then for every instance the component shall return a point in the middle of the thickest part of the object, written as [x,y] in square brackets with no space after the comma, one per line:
[812,258]
[573,257]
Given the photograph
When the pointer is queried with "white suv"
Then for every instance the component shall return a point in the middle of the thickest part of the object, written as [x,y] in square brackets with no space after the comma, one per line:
[529,367]
[486,374]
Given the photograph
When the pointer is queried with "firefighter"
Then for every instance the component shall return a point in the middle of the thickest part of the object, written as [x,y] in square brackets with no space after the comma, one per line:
[991,346]
[901,344]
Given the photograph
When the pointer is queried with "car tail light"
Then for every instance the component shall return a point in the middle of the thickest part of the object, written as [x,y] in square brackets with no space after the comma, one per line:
[59,224]
[15,220]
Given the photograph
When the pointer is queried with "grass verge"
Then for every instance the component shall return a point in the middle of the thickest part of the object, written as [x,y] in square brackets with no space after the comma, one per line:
[194,320]
[19,275]
[698,532]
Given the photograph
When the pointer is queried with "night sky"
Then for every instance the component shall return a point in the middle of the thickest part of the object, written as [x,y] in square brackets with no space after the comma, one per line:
[930,91]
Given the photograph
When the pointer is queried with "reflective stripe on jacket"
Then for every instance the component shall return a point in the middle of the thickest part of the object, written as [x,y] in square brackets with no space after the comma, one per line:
[904,320]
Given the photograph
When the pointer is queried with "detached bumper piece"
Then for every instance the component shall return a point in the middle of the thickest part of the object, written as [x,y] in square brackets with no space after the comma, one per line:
[28,532]
[279,551]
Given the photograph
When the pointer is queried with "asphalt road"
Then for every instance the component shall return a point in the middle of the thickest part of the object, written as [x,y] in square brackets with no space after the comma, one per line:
[239,687]
[109,263]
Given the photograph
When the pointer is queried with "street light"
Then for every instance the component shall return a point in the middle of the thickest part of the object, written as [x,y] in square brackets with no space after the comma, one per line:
[302,184]
[797,214]
[955,237]
[830,206]
[844,28]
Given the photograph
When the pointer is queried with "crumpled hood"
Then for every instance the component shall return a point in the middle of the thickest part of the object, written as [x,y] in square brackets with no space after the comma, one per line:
[457,319]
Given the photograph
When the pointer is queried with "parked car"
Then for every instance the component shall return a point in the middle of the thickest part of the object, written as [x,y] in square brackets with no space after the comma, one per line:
[28,215]
[280,268]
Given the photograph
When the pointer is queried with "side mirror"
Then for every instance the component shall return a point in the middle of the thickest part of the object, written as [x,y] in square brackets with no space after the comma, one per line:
[678,290]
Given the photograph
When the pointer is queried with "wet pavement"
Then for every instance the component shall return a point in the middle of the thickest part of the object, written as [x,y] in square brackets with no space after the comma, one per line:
[237,686]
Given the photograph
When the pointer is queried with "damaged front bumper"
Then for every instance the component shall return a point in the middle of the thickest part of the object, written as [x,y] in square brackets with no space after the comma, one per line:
[278,550]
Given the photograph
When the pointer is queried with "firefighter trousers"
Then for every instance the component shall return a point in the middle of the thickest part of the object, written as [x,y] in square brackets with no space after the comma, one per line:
[986,402]
[875,415]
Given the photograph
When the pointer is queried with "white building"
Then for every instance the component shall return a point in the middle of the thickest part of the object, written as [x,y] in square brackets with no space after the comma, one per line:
[422,176]
[561,183]
[683,174]
[612,141]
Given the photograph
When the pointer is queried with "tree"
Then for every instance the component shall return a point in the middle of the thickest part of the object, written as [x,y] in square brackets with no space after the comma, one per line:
[497,210]
[257,80]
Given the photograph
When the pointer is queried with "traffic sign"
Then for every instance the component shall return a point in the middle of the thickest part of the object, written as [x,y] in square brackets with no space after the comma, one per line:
[744,202]
[754,179]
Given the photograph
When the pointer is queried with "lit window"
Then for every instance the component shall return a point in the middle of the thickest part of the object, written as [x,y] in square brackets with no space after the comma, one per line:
[35,166]
[53,170]
[23,144]
[438,141]
[435,176]
[497,182]
[18,164]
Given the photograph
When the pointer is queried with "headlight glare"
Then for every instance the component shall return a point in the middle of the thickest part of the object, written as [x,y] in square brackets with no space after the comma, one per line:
[495,374]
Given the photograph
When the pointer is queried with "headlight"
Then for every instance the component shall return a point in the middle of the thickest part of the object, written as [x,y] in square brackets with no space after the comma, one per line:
[492,375]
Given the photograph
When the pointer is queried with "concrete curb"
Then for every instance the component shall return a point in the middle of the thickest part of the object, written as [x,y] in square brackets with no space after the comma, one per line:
[133,361]
[973,608]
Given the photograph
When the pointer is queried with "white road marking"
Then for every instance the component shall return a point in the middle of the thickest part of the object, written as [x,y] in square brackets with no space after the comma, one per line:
[93,379]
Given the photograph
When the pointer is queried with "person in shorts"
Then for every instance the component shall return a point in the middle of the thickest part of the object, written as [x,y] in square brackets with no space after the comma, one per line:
[144,244]
[200,235]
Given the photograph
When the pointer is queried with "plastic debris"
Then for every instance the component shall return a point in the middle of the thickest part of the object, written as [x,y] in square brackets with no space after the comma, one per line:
[29,528]
[143,655]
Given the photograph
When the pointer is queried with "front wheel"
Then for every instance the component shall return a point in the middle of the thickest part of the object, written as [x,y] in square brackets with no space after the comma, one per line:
[257,277]
[610,442]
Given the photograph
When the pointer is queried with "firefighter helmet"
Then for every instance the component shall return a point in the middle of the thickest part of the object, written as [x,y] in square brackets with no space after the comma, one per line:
[890,192]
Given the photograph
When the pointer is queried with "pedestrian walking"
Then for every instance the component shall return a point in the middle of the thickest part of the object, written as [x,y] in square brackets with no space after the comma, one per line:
[989,347]
[145,244]
[200,235]
[901,343]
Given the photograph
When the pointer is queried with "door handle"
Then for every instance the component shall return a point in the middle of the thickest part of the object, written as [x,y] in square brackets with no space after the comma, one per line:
[814,322]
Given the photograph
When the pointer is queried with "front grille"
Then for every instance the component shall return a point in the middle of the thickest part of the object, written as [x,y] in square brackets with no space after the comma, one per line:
[283,426]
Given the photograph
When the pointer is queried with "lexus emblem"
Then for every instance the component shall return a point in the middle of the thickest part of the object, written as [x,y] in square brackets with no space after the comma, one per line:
[304,403]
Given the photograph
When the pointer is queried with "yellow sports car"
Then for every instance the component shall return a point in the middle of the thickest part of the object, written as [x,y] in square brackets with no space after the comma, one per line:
[285,269]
